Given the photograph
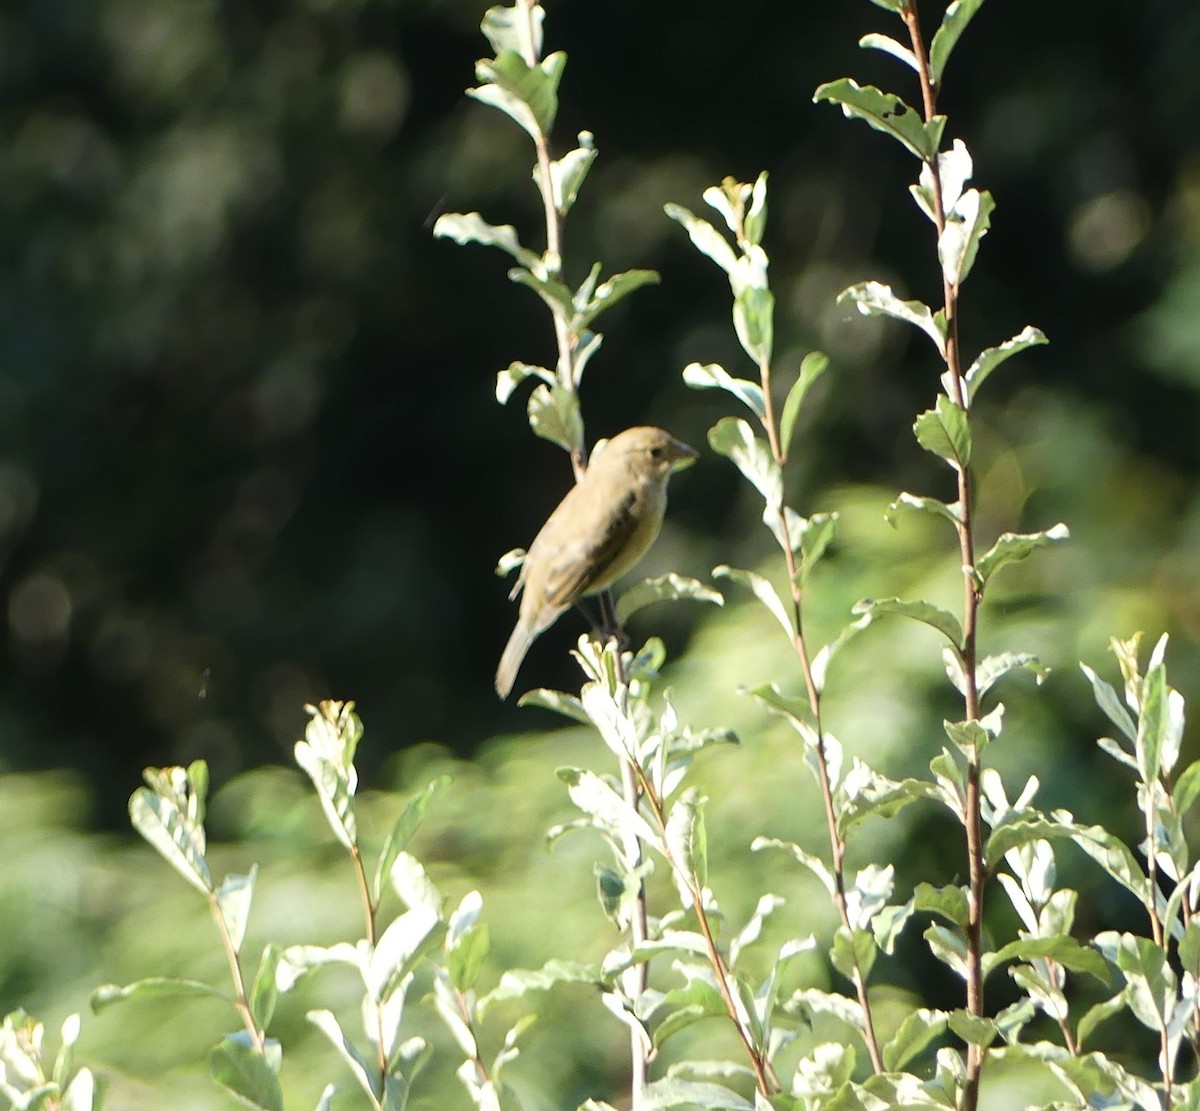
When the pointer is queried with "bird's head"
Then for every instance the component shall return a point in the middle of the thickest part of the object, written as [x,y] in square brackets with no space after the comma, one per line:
[648,453]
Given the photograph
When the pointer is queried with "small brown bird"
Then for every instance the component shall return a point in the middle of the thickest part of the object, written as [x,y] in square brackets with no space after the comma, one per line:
[604,525]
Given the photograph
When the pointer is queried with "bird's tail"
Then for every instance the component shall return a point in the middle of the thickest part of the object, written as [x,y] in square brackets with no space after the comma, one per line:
[514,653]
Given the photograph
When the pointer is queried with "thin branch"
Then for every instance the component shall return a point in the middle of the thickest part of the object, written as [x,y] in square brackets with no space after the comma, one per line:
[976,867]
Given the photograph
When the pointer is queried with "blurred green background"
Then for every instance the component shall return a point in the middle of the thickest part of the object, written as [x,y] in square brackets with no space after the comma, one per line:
[250,456]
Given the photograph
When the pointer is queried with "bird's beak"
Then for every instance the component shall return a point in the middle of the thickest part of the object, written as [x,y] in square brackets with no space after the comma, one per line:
[682,455]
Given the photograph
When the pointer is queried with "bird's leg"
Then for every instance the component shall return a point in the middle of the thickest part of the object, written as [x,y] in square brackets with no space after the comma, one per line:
[609,625]
[606,627]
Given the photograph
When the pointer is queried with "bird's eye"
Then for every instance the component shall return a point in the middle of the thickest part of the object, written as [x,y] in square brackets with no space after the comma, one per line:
[657,452]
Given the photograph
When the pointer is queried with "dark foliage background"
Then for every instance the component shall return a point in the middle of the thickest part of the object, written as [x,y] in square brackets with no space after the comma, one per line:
[249,455]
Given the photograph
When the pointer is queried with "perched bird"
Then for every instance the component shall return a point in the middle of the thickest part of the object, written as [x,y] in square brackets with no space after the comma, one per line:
[604,525]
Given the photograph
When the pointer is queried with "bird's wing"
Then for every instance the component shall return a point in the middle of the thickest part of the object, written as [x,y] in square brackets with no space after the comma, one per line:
[580,566]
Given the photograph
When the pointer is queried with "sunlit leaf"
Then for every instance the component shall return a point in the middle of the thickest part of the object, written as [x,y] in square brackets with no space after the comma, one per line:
[234,897]
[876,41]
[1013,546]
[885,112]
[471,227]
[153,988]
[954,22]
[567,173]
[763,591]
[705,237]
[712,376]
[735,439]
[403,829]
[245,1075]
[609,292]
[812,366]
[988,360]
[666,588]
[942,620]
[877,299]
[945,432]
[517,28]
[966,224]
[554,415]
[917,1030]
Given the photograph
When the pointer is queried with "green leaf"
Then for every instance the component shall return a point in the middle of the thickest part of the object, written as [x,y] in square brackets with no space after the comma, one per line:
[403,829]
[234,897]
[735,439]
[609,292]
[966,224]
[517,983]
[815,535]
[712,376]
[1112,854]
[949,948]
[1013,546]
[1096,1015]
[993,668]
[753,315]
[245,1075]
[514,374]
[671,1092]
[824,658]
[688,843]
[156,987]
[973,1029]
[949,902]
[178,840]
[670,587]
[1187,788]
[527,94]
[812,863]
[954,22]
[407,938]
[913,1034]
[812,366]
[972,736]
[1109,701]
[1065,950]
[945,432]
[567,173]
[471,227]
[464,960]
[554,415]
[596,798]
[327,755]
[942,620]
[763,591]
[888,45]
[327,1023]
[556,296]
[932,506]
[887,113]
[877,299]
[865,792]
[755,223]
[853,953]
[264,991]
[988,360]
[566,704]
[750,933]
[704,236]
[1150,983]
[1152,723]
[686,1006]
[517,28]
